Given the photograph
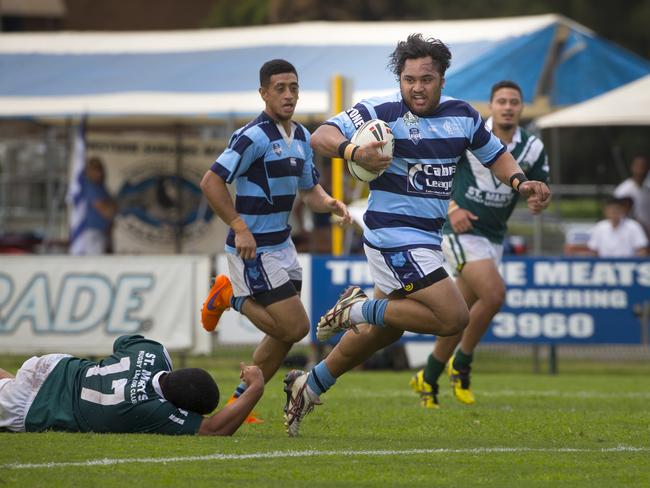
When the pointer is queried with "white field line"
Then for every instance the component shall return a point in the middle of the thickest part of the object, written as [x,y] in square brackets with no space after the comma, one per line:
[359,393]
[311,453]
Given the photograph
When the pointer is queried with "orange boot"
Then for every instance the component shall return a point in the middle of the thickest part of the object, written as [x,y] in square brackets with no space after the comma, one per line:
[217,302]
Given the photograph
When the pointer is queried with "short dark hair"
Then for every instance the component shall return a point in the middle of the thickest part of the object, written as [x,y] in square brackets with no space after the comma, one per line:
[191,389]
[275,67]
[622,201]
[505,84]
[416,47]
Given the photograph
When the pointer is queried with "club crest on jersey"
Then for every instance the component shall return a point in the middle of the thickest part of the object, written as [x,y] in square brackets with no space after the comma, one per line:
[414,135]
[452,128]
[431,179]
[276,148]
[410,119]
[398,259]
[254,273]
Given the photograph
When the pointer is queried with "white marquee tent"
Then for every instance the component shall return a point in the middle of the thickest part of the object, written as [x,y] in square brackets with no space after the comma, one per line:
[214,72]
[627,105]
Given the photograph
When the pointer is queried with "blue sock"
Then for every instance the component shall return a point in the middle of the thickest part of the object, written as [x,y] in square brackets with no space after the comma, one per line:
[239,390]
[320,379]
[237,302]
[374,310]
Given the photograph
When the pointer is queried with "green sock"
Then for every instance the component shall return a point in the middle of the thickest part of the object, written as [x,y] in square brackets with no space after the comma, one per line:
[433,370]
[461,360]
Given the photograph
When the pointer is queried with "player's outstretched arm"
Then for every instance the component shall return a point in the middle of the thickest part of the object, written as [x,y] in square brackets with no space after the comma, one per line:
[318,200]
[506,169]
[326,141]
[230,418]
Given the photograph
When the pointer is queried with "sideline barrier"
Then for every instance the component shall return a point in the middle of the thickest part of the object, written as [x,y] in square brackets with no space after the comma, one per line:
[80,305]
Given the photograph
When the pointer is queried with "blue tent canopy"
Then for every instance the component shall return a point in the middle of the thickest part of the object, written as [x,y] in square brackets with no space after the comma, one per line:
[215,72]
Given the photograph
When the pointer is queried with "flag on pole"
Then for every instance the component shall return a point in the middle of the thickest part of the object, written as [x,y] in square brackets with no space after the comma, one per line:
[77,204]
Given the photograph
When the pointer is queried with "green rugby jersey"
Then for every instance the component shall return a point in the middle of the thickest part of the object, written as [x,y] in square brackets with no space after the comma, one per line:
[475,188]
[117,394]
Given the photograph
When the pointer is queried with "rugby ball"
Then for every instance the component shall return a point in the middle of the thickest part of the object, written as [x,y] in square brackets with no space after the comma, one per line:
[373,130]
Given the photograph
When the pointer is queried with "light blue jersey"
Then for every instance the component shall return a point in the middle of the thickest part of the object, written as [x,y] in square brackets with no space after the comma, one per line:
[408,203]
[268,172]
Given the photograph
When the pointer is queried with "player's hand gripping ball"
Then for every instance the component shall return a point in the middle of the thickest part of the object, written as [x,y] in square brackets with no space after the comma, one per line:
[373,130]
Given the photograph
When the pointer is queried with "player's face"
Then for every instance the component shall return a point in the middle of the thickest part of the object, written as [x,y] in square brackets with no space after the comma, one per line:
[421,85]
[506,107]
[614,212]
[281,95]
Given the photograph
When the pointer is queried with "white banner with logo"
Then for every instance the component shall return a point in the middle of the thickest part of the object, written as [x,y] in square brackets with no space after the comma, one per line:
[80,305]
[155,181]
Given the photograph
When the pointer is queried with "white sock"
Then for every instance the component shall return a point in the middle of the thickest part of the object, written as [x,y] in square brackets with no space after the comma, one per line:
[356,313]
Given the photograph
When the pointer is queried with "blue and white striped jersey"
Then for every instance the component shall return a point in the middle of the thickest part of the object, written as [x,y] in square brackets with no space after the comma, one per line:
[408,203]
[267,173]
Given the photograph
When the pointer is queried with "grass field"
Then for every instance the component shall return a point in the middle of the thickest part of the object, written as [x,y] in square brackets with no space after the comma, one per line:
[587,426]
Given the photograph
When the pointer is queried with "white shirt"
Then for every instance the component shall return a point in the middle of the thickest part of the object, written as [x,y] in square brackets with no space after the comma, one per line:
[622,241]
[629,189]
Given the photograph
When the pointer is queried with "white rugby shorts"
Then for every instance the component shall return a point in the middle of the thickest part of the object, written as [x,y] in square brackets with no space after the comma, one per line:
[17,394]
[460,249]
[269,270]
[394,270]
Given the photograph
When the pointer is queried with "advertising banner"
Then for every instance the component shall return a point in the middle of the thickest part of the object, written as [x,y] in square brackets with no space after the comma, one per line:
[548,300]
[80,305]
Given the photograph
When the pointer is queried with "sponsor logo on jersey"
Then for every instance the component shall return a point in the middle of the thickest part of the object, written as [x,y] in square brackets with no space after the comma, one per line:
[430,178]
[277,149]
[414,135]
[355,117]
[293,162]
[410,119]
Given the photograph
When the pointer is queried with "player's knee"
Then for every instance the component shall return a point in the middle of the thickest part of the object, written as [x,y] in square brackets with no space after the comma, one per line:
[455,323]
[495,299]
[295,333]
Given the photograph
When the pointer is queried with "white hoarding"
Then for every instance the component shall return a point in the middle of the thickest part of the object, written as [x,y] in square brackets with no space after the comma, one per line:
[80,305]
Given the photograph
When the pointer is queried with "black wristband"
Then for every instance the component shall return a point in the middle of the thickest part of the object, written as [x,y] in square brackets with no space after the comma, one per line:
[516,180]
[342,147]
[354,151]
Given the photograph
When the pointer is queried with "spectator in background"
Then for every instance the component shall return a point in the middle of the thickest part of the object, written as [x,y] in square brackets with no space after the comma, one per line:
[632,187]
[618,236]
[91,235]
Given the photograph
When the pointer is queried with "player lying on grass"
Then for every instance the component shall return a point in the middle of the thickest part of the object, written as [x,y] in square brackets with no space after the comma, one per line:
[132,390]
